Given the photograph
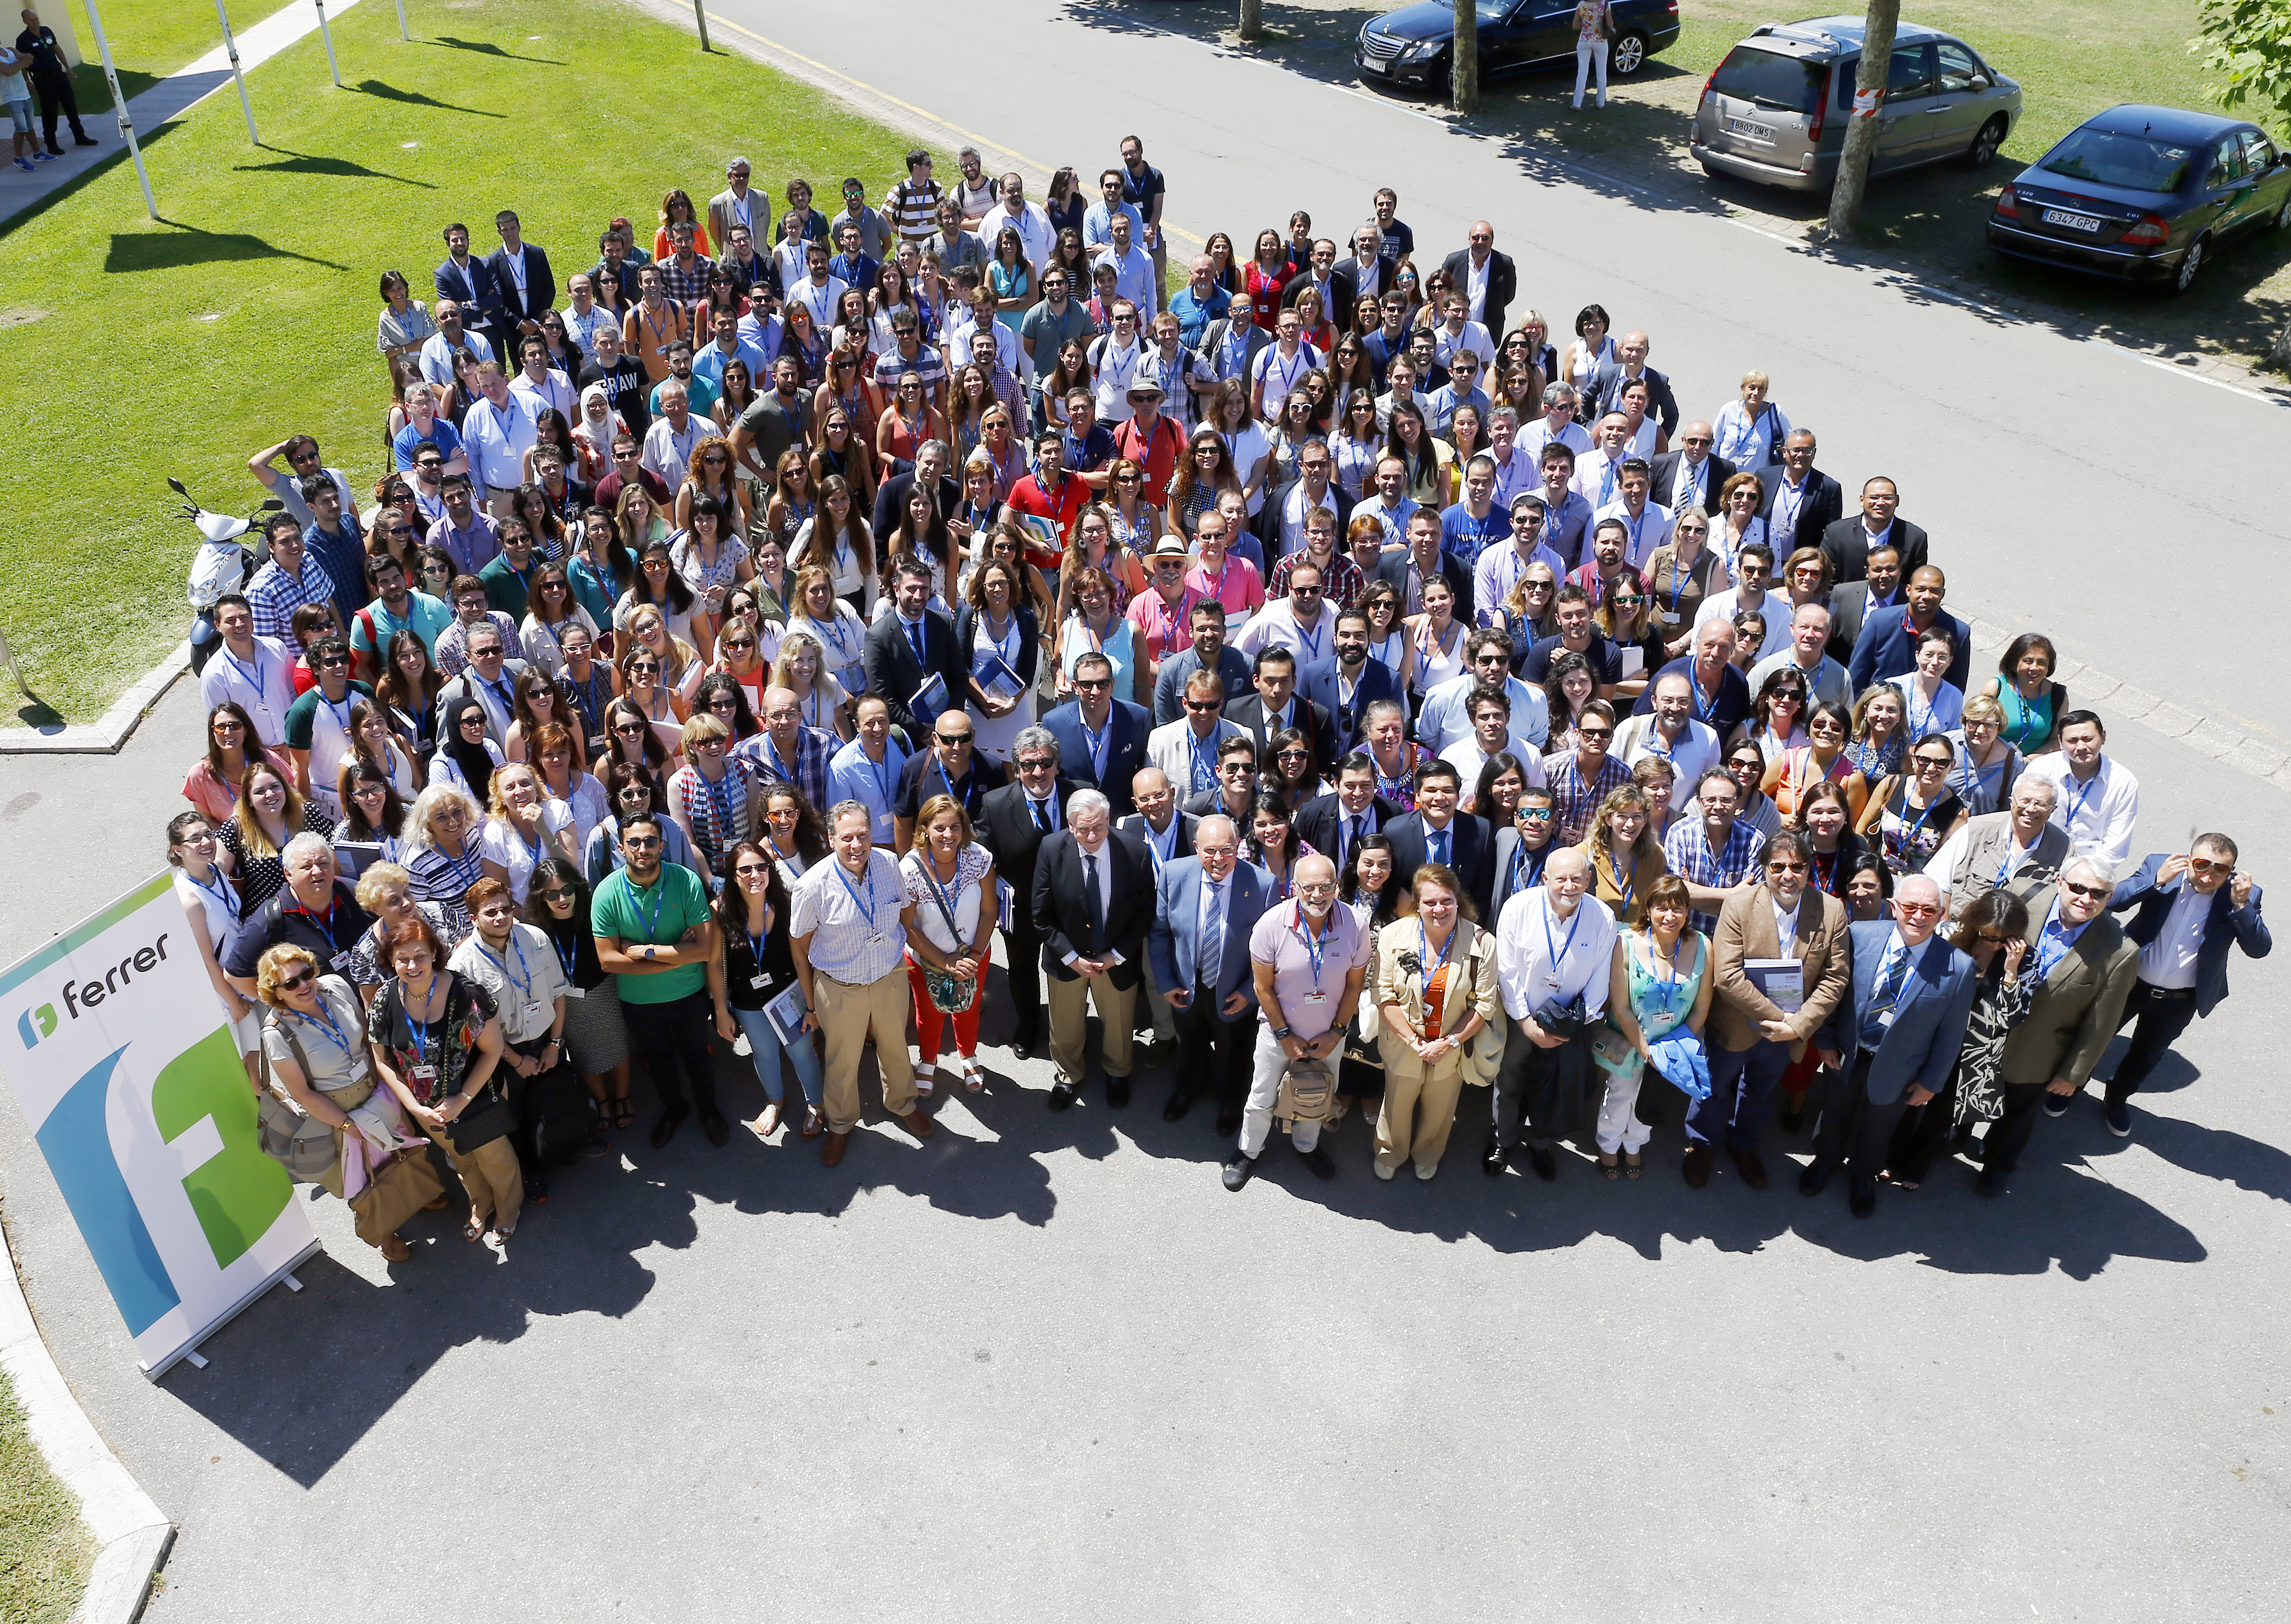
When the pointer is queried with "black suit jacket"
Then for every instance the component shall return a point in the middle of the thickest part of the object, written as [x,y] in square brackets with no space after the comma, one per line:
[540,286]
[1847,543]
[1825,500]
[894,673]
[1393,567]
[1061,916]
[1006,829]
[1664,471]
[1503,286]
[1317,820]
[891,500]
[1849,608]
[1314,720]
[1474,855]
[1662,404]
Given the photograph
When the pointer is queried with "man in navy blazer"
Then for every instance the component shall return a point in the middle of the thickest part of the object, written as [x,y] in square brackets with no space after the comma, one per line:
[1333,824]
[466,281]
[1418,838]
[1101,739]
[1892,1043]
[2190,909]
[1325,680]
[1214,1002]
[1794,488]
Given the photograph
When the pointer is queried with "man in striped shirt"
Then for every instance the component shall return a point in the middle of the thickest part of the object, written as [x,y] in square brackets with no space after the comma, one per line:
[912,207]
[1715,851]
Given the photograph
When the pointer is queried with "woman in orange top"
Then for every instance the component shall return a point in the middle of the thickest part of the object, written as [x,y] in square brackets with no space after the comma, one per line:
[676,206]
[1821,760]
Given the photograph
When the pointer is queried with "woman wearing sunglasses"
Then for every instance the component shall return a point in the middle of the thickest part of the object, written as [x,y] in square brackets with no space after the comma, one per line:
[596,1039]
[1913,811]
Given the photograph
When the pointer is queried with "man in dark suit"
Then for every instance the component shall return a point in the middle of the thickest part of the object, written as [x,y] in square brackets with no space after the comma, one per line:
[1705,472]
[1276,704]
[1422,558]
[1348,682]
[1853,602]
[1017,819]
[2191,908]
[1101,739]
[1500,278]
[891,496]
[1891,1042]
[1850,542]
[910,644]
[1206,906]
[1333,824]
[949,767]
[469,281]
[1437,833]
[1797,501]
[2083,968]
[522,278]
[1629,366]
[1093,902]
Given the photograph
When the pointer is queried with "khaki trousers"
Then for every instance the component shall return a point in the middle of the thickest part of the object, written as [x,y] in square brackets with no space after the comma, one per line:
[491,1175]
[847,1014]
[1418,1114]
[1069,1002]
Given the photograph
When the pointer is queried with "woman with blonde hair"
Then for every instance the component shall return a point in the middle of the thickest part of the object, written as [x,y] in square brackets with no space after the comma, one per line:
[270,812]
[816,611]
[1436,985]
[524,826]
[801,668]
[1625,853]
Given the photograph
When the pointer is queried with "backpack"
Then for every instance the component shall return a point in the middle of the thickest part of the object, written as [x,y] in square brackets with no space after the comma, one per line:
[1308,1089]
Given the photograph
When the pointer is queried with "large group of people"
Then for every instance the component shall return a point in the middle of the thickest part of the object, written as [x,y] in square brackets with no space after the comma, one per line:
[1308,661]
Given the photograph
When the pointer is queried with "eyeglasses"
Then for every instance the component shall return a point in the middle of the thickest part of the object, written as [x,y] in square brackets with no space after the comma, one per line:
[1040,764]
[1092,684]
[746,642]
[228,726]
[952,738]
[1783,866]
[1696,440]
[1293,755]
[1625,600]
[1938,761]
[2094,893]
[1917,910]
[1201,707]
[753,868]
[627,731]
[1535,815]
[639,842]
[563,893]
[296,982]
[1595,732]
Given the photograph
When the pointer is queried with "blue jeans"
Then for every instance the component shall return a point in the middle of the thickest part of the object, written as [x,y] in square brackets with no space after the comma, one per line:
[1742,1095]
[764,1047]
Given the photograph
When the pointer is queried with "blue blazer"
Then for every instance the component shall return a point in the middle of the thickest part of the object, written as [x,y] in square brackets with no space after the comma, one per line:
[1318,683]
[1473,853]
[1173,943]
[1921,1045]
[1125,750]
[2225,924]
[477,287]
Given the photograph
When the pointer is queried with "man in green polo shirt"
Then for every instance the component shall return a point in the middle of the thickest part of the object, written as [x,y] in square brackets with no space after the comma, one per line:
[509,578]
[653,931]
[395,608]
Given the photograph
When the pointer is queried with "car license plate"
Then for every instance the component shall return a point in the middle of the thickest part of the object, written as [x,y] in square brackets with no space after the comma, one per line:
[2073,222]
[1756,131]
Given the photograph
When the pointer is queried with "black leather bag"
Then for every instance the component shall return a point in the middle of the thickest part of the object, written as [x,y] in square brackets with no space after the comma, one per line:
[488,1117]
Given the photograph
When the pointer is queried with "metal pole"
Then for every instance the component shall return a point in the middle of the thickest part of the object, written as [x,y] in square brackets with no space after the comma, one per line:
[327,34]
[700,16]
[8,654]
[402,34]
[119,103]
[230,48]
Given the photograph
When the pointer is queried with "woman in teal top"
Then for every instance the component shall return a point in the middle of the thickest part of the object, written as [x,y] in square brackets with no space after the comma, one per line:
[2033,702]
[1661,983]
[1008,278]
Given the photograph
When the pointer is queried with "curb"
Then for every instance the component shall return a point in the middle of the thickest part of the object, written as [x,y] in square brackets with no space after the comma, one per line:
[132,1534]
[105,737]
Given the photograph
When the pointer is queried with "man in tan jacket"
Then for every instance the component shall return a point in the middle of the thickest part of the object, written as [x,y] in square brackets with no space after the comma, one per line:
[1752,1039]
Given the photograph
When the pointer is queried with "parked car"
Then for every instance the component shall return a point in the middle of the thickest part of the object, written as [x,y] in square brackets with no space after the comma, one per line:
[1774,109]
[2144,194]
[1415,45]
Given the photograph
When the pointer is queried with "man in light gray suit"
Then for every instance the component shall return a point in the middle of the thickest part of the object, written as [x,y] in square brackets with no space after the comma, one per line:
[1207,905]
[2019,849]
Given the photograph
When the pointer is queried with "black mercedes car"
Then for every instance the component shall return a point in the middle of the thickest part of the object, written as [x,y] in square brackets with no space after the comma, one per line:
[2144,194]
[1413,46]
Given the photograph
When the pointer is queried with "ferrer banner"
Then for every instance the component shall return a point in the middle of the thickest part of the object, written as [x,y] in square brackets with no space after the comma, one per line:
[113,1043]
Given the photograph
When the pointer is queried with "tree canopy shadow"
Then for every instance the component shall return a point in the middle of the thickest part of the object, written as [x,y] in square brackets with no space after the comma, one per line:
[181,245]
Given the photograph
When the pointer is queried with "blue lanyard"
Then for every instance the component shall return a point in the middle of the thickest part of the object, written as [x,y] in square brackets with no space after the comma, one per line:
[1432,965]
[881,771]
[333,1033]
[1909,835]
[651,921]
[252,678]
[1312,643]
[1204,771]
[566,956]
[522,980]
[2049,953]
[1094,741]
[719,803]
[1315,946]
[1666,979]
[420,1029]
[2076,808]
[940,767]
[220,892]
[1556,951]
[867,907]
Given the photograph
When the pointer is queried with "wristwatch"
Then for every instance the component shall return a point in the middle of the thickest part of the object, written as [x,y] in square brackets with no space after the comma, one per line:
[1281,1033]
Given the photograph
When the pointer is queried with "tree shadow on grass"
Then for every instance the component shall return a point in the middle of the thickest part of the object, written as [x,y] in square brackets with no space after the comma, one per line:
[415,97]
[307,164]
[484,47]
[181,245]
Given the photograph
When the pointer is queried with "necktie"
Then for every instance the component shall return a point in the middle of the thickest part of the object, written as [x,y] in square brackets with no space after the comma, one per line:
[1440,847]
[1889,989]
[1212,955]
[1092,915]
[1684,499]
[1041,815]
[502,692]
[1607,484]
[1352,839]
[915,636]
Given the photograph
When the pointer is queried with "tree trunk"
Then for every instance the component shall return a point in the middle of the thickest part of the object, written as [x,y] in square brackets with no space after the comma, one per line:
[1464,66]
[1861,126]
[1253,18]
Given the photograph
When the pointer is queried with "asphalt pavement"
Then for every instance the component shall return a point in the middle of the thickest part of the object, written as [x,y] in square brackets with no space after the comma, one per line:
[1044,1364]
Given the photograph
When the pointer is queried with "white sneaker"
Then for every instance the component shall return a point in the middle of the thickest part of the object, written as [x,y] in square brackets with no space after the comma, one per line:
[1382,1171]
[1427,1174]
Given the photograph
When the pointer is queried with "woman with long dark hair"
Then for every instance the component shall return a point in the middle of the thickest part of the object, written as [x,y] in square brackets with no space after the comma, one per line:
[752,912]
[596,1039]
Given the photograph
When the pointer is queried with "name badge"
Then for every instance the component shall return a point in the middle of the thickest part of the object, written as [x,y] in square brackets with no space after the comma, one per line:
[422,1077]
[340,961]
[1316,997]
[875,940]
[760,982]
[1887,1019]
[531,1012]
[573,991]
[1671,617]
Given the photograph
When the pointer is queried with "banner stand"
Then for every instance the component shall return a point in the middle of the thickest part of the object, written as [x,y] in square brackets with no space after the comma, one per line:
[153,1372]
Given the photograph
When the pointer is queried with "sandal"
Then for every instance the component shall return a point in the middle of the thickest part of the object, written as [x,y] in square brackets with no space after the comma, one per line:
[974,1075]
[926,1078]
[624,1112]
[1631,1168]
[768,1122]
[474,1230]
[1609,1168]
[814,1122]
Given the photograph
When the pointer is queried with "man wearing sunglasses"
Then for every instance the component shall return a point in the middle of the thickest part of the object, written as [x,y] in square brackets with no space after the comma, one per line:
[951,766]
[304,461]
[318,723]
[1015,820]
[2189,909]
[1187,750]
[1101,739]
[1891,1043]
[1691,476]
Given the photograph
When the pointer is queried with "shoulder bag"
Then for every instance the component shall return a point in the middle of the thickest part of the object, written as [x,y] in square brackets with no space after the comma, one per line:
[289,1136]
[950,994]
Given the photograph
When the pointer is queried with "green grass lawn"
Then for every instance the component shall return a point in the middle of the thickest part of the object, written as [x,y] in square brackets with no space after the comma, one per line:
[45,1549]
[178,349]
[149,40]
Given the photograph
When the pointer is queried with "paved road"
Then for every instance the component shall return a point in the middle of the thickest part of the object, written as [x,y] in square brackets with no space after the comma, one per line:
[1047,1358]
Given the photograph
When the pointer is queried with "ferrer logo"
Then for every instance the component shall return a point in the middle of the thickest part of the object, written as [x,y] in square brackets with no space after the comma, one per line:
[43,1018]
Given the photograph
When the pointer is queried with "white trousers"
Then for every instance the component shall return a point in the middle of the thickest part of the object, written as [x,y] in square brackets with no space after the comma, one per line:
[1618,1129]
[1588,51]
[1264,1088]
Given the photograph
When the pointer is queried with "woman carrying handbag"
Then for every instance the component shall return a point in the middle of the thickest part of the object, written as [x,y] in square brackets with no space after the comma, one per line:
[949,878]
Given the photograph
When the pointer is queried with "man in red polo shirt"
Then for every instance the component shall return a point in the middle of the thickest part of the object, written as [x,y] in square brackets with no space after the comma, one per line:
[1151,440]
[1049,492]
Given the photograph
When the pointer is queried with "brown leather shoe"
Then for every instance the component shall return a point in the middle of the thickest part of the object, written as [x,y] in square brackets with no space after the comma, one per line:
[919,1123]
[1696,1167]
[1747,1164]
[832,1153]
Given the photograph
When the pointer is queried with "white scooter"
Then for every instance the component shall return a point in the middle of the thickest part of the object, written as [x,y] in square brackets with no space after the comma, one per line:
[224,564]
